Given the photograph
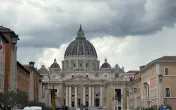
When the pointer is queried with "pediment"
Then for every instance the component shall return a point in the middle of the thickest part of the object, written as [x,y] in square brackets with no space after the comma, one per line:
[78,78]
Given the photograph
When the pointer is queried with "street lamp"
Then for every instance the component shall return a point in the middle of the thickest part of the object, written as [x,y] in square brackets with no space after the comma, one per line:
[14,37]
[160,78]
[146,85]
[31,63]
[53,91]
[135,89]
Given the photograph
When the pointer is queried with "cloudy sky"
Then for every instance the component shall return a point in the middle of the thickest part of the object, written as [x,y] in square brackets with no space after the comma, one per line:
[127,32]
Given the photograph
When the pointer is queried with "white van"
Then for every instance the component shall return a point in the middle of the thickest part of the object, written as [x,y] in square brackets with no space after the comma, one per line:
[33,108]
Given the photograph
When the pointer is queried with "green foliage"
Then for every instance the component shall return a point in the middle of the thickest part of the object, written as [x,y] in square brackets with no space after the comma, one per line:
[10,99]
[153,107]
[169,107]
[36,103]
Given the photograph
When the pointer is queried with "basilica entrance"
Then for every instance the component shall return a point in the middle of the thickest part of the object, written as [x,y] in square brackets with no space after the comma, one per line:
[97,102]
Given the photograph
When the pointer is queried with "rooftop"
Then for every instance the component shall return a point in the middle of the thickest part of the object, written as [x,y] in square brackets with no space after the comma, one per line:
[132,71]
[167,58]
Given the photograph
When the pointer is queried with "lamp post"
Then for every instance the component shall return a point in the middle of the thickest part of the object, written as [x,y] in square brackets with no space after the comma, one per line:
[13,74]
[31,64]
[160,77]
[14,37]
[53,97]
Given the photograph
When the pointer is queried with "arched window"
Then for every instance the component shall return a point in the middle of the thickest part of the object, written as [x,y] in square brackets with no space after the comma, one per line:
[167,92]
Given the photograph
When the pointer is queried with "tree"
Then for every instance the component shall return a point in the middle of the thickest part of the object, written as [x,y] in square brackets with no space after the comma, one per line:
[10,99]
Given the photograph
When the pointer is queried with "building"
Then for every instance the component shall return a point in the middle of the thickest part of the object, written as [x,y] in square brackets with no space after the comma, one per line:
[131,74]
[134,96]
[22,78]
[34,81]
[10,75]
[3,40]
[157,82]
[43,72]
[82,82]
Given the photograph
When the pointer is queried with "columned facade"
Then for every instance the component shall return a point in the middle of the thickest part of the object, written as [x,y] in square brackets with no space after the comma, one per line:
[83,81]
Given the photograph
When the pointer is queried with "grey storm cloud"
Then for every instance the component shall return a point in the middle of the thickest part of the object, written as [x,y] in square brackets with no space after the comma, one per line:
[44,23]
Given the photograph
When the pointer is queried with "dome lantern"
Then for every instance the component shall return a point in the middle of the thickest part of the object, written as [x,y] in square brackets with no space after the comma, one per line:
[105,60]
[80,32]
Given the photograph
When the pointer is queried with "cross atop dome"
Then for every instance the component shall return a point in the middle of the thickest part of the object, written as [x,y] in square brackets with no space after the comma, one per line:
[80,32]
[105,60]
[80,28]
[55,61]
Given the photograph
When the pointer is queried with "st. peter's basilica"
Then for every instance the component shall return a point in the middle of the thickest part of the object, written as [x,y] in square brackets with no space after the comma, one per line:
[82,81]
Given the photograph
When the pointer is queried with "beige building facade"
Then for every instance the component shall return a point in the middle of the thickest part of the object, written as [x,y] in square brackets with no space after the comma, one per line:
[3,41]
[157,82]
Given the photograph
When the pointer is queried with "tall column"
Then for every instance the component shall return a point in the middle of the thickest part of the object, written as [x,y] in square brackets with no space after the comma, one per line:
[13,69]
[66,96]
[57,97]
[101,96]
[70,96]
[61,94]
[90,64]
[128,102]
[46,96]
[122,99]
[76,97]
[90,96]
[84,101]
[77,64]
[93,96]
[49,101]
[31,81]
[69,64]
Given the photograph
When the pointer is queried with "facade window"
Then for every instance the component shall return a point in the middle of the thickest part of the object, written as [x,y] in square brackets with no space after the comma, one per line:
[86,64]
[166,71]
[167,92]
[87,76]
[80,65]
[74,65]
[73,76]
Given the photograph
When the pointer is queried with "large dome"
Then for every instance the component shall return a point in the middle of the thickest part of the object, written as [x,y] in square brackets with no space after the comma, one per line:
[80,46]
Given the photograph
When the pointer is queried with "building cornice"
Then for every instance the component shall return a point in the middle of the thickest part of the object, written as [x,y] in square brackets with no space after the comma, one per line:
[154,62]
